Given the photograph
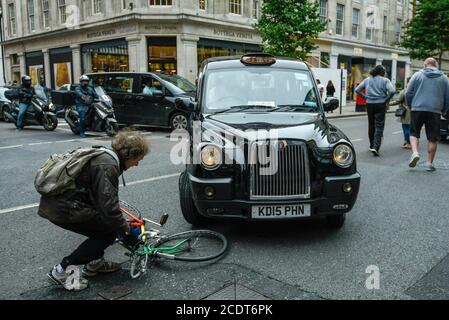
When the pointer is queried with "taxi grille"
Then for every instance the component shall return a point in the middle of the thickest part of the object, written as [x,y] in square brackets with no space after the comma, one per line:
[290,178]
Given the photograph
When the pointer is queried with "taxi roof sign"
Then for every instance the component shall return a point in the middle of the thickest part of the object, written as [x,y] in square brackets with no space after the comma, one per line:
[258,59]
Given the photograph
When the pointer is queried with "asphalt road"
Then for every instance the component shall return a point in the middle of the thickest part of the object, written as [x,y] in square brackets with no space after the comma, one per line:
[399,225]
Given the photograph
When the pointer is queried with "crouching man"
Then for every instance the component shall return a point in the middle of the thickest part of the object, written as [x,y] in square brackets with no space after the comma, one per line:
[93,210]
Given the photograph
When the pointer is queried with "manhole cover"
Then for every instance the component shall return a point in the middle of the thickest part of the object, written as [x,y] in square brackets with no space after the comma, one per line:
[114,293]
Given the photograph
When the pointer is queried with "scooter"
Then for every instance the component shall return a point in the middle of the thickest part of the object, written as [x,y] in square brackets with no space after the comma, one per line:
[40,113]
[100,118]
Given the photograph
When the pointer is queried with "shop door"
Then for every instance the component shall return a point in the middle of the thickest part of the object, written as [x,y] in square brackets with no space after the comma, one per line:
[120,88]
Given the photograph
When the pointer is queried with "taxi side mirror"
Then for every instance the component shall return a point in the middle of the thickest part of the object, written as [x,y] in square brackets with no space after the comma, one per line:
[186,104]
[331,105]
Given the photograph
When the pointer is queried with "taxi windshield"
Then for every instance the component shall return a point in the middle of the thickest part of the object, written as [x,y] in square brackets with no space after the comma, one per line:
[253,88]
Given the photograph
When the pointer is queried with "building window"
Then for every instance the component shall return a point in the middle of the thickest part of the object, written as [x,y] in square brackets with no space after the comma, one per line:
[398,30]
[45,14]
[202,4]
[255,9]
[12,19]
[235,6]
[62,11]
[384,29]
[369,26]
[87,8]
[31,16]
[340,19]
[324,60]
[161,2]
[97,6]
[323,11]
[355,23]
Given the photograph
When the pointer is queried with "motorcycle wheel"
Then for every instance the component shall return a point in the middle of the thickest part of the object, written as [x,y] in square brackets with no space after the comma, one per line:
[50,123]
[112,129]
[5,118]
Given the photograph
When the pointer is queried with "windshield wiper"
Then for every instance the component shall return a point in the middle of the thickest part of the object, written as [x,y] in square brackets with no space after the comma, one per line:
[296,107]
[244,107]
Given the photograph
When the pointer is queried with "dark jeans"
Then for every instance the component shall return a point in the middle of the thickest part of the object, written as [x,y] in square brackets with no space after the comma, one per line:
[82,111]
[99,236]
[376,123]
[406,129]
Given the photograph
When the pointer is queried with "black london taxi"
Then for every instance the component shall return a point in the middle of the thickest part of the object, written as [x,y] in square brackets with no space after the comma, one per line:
[261,147]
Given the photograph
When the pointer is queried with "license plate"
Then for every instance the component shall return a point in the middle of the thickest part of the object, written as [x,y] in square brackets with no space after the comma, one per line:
[284,211]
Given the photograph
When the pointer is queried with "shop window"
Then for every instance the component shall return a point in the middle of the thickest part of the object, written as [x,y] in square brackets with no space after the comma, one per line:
[162,55]
[105,57]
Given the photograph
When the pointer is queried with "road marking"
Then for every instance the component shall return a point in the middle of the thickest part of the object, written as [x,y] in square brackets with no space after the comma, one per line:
[11,147]
[35,205]
[152,179]
[397,132]
[29,206]
[356,140]
[39,143]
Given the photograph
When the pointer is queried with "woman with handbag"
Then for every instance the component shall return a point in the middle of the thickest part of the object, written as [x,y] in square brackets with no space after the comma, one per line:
[403,114]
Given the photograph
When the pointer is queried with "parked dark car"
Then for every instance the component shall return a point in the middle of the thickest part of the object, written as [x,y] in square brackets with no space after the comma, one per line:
[261,147]
[4,103]
[152,106]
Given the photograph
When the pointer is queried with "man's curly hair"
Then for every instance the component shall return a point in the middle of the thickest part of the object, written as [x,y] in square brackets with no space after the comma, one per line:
[130,144]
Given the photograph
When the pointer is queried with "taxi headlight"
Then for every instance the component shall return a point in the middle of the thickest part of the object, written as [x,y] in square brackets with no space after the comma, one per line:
[343,156]
[211,157]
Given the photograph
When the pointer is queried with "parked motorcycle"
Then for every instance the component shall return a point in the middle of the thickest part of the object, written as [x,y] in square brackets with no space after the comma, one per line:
[40,113]
[100,117]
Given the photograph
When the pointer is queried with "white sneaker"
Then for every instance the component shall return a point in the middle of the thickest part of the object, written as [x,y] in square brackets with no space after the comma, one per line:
[414,160]
[68,279]
[430,167]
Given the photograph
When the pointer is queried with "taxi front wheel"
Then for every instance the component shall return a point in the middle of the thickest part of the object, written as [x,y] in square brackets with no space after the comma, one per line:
[188,208]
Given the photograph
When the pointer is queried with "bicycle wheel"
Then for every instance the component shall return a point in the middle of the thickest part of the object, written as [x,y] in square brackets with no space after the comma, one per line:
[192,246]
[138,265]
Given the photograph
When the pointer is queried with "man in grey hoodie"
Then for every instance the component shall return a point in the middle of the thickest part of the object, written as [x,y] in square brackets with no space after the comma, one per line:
[379,91]
[428,97]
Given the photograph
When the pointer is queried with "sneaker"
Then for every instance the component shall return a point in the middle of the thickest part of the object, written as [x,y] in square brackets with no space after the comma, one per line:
[66,280]
[82,135]
[430,167]
[375,152]
[414,160]
[100,266]
[407,146]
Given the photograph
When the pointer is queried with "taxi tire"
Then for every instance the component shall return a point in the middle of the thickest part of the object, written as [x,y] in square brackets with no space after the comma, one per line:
[336,221]
[188,208]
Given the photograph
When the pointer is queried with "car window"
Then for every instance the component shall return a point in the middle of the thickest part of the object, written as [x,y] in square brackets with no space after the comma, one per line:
[258,86]
[150,85]
[98,80]
[118,84]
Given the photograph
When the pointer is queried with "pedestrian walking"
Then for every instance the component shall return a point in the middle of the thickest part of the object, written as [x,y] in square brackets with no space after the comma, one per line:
[428,97]
[330,89]
[379,91]
[405,119]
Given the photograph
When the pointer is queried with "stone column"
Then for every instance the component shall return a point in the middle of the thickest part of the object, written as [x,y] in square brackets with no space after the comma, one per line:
[23,67]
[76,61]
[394,70]
[334,61]
[134,46]
[47,67]
[187,56]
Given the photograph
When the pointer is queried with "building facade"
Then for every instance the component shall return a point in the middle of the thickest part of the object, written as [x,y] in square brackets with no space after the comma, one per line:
[60,40]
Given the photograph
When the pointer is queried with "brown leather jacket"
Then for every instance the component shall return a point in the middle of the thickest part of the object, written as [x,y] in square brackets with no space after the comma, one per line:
[96,195]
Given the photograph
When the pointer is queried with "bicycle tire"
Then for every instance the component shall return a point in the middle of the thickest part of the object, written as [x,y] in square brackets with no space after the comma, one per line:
[207,245]
[139,265]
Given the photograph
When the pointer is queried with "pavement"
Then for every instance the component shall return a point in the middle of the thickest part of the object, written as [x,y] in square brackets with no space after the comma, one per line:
[397,230]
[350,111]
